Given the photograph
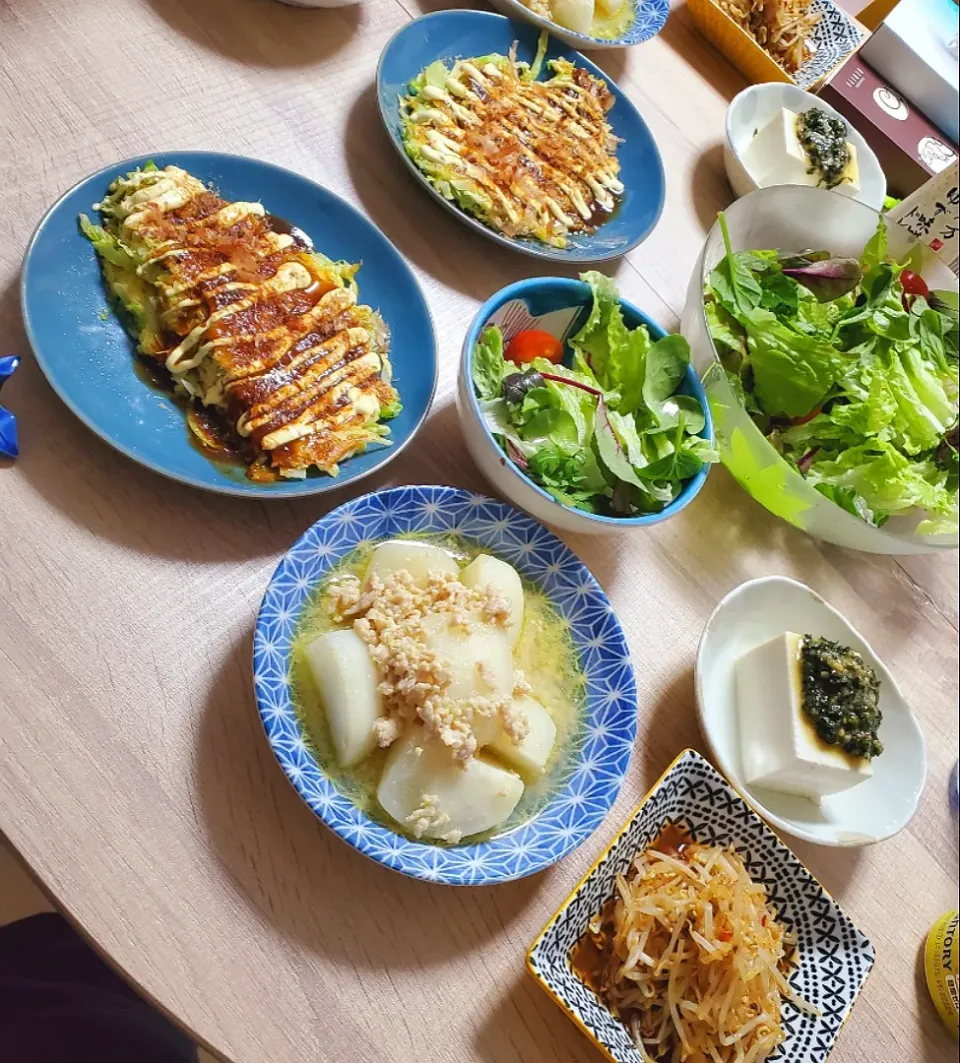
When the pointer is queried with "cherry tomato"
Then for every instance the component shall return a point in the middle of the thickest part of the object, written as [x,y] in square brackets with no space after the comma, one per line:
[534,343]
[806,417]
[913,283]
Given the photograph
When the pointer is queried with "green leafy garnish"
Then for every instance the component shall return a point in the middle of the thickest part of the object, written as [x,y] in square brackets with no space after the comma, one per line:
[610,435]
[855,385]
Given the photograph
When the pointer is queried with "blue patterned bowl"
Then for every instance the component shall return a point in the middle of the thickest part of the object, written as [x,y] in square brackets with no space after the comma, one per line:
[648,19]
[833,958]
[596,764]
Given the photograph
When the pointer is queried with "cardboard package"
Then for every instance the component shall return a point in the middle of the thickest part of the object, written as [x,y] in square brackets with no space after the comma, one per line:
[910,149]
[915,50]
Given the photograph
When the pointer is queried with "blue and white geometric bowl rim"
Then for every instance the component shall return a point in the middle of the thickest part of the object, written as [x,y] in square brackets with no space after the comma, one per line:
[595,770]
[833,956]
[649,17]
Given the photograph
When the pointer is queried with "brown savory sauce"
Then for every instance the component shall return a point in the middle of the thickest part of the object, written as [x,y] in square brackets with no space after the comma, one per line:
[211,437]
[672,840]
[206,430]
[591,954]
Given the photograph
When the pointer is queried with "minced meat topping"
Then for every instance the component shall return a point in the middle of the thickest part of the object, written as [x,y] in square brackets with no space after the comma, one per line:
[388,615]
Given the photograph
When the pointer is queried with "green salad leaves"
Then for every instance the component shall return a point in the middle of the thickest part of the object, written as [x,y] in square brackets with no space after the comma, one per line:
[850,370]
[609,434]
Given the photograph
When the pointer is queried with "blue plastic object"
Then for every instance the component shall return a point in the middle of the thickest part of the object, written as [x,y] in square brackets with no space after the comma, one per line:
[591,776]
[450,35]
[9,445]
[543,295]
[88,357]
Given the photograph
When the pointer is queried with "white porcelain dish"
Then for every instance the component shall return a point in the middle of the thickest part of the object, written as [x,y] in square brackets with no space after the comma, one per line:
[875,809]
[753,108]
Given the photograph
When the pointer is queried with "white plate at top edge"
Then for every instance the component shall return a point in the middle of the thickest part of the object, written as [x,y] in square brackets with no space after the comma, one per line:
[875,809]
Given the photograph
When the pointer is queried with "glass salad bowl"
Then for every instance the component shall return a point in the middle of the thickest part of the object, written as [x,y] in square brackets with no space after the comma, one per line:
[792,218]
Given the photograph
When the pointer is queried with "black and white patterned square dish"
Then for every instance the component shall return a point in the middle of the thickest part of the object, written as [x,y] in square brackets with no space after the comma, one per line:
[835,37]
[833,957]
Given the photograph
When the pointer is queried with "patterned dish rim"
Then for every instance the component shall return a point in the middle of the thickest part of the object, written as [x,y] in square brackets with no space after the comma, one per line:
[560,926]
[593,772]
[810,81]
[640,29]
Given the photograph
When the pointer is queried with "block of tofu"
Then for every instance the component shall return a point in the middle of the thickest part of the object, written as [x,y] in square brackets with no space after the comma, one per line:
[481,665]
[530,756]
[779,746]
[346,679]
[419,559]
[775,156]
[433,795]
[488,571]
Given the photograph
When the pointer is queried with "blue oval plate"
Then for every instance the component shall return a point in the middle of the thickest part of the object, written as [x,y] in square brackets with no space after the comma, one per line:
[595,766]
[450,35]
[89,358]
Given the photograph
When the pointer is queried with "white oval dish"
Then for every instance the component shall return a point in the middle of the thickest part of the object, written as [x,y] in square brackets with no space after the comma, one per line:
[749,112]
[876,809]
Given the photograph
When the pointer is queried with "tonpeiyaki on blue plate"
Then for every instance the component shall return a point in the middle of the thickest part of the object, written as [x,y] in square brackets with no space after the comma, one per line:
[89,358]
[591,776]
[450,35]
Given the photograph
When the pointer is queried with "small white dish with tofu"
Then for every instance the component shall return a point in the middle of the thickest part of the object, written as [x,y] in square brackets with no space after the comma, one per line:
[761,148]
[832,803]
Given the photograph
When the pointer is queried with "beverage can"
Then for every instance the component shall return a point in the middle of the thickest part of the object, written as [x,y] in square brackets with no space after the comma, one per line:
[942,966]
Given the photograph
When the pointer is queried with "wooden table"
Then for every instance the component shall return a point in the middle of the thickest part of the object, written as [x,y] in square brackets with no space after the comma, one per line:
[134,775]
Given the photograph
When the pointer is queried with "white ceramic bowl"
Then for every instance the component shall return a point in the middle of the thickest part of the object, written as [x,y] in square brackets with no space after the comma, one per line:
[876,809]
[553,304]
[750,111]
[791,217]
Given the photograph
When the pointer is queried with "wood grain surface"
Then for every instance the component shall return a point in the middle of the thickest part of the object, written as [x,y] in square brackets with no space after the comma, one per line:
[134,775]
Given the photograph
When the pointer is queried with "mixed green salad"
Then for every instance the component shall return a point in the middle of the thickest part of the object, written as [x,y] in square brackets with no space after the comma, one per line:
[609,435]
[849,368]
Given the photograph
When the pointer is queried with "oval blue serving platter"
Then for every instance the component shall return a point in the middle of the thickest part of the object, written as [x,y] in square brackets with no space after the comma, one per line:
[89,358]
[450,35]
[589,780]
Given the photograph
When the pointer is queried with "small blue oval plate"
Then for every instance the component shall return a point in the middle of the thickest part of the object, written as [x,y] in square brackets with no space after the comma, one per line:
[596,764]
[450,35]
[89,358]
